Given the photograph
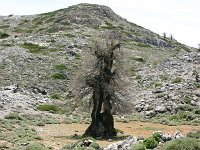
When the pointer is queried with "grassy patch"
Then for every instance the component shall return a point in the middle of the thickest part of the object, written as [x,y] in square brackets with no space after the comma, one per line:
[33,48]
[59,76]
[182,144]
[17,128]
[157,84]
[61,67]
[69,35]
[77,56]
[194,134]
[144,45]
[36,146]
[153,129]
[55,96]
[139,59]
[48,107]
[177,80]
[4,26]
[139,146]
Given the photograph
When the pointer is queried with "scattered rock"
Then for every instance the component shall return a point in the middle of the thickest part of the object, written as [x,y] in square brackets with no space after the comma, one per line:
[122,145]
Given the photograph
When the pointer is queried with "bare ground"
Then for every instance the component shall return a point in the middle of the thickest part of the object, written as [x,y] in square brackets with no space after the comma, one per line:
[54,135]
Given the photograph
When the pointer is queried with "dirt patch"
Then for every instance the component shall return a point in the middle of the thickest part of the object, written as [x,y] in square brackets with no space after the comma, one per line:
[54,135]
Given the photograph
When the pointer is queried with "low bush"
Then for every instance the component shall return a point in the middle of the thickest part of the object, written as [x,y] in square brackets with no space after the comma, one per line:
[157,136]
[33,48]
[36,146]
[60,67]
[3,35]
[48,107]
[194,134]
[144,45]
[177,80]
[138,147]
[182,144]
[14,115]
[55,96]
[94,145]
[58,76]
[150,143]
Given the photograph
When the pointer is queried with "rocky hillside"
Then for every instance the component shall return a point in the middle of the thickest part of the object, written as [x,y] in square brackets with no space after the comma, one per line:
[42,53]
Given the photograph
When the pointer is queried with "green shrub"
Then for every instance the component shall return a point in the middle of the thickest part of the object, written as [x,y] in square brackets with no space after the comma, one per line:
[194,134]
[185,107]
[94,145]
[33,48]
[150,143]
[36,146]
[89,148]
[139,59]
[66,147]
[48,107]
[70,35]
[187,100]
[182,116]
[138,147]
[77,56]
[14,115]
[143,45]
[60,67]
[2,146]
[3,35]
[158,84]
[40,123]
[157,136]
[55,96]
[177,80]
[182,144]
[160,95]
[197,111]
[59,76]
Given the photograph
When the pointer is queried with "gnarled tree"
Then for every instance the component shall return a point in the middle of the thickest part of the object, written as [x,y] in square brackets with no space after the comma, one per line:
[102,84]
[102,81]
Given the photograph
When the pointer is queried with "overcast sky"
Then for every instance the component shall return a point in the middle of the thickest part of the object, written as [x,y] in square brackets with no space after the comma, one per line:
[181,18]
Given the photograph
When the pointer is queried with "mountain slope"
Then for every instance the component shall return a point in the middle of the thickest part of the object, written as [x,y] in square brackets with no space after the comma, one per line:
[45,52]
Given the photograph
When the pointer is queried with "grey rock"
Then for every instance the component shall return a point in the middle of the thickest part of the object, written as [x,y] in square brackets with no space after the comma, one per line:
[122,145]
[166,137]
[160,109]
[178,135]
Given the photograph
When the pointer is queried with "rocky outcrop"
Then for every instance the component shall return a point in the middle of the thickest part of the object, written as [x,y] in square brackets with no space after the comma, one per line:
[15,99]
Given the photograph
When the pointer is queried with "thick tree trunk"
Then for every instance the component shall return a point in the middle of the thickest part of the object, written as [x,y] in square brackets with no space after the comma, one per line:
[102,120]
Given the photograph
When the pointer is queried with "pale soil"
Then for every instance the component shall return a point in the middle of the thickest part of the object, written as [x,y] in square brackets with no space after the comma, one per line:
[55,135]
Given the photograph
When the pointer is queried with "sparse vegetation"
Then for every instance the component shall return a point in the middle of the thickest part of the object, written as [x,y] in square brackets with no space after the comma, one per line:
[139,146]
[60,76]
[182,144]
[3,35]
[36,146]
[143,45]
[139,59]
[33,48]
[61,67]
[177,80]
[48,107]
